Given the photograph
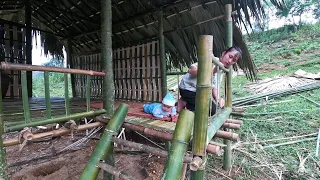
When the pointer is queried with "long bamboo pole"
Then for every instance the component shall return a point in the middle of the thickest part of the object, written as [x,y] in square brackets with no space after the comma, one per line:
[229,40]
[162,55]
[203,99]
[47,94]
[105,145]
[181,137]
[117,173]
[25,99]
[66,94]
[54,120]
[25,67]
[28,50]
[88,92]
[3,159]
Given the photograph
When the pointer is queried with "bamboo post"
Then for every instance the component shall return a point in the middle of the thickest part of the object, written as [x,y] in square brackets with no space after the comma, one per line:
[203,98]
[88,92]
[70,65]
[66,94]
[229,35]
[47,94]
[181,137]
[162,55]
[106,55]
[28,44]
[105,145]
[54,120]
[3,159]
[25,99]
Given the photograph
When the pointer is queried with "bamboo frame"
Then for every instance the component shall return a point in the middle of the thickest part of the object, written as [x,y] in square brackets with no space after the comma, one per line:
[25,67]
[181,137]
[105,145]
[54,120]
[229,40]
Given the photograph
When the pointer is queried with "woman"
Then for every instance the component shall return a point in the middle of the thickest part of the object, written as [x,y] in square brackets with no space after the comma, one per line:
[188,83]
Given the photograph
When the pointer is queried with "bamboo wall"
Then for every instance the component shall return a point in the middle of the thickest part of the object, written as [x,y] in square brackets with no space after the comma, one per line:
[137,74]
[12,49]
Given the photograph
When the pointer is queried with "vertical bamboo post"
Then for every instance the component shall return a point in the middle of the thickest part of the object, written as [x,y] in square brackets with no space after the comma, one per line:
[88,92]
[229,35]
[70,65]
[181,137]
[162,56]
[203,97]
[106,60]
[25,99]
[106,55]
[105,145]
[3,161]
[66,94]
[47,94]
[28,44]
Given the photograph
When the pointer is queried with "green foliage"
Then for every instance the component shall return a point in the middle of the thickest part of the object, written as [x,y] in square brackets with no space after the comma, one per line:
[273,35]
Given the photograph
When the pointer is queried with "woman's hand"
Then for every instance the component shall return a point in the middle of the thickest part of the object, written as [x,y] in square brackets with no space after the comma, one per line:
[221,102]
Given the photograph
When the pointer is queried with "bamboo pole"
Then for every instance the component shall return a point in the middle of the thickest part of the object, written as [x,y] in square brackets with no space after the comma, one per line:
[117,173]
[28,50]
[162,55]
[25,99]
[203,95]
[234,121]
[47,94]
[229,40]
[70,64]
[231,126]
[66,94]
[53,133]
[290,142]
[181,137]
[25,67]
[54,120]
[3,159]
[88,92]
[217,122]
[105,145]
[218,63]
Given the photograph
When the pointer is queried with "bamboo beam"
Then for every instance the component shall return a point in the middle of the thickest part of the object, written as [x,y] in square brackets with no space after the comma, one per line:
[181,137]
[105,145]
[231,125]
[162,56]
[25,99]
[234,121]
[203,99]
[114,171]
[53,133]
[70,64]
[88,96]
[66,94]
[229,40]
[28,51]
[54,120]
[24,67]
[219,64]
[106,56]
[3,159]
[47,94]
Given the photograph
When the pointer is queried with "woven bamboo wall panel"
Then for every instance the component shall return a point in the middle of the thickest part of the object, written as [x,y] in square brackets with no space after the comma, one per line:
[12,49]
[137,73]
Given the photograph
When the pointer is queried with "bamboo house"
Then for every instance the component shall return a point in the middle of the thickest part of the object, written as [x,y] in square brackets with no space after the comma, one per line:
[117,50]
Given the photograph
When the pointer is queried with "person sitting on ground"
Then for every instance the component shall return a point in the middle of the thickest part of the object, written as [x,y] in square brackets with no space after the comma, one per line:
[164,109]
[188,83]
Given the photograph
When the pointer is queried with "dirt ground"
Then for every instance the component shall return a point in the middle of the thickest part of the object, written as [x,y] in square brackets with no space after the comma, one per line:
[69,164]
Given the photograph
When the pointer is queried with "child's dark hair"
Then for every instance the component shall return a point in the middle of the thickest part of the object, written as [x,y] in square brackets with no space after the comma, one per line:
[234,48]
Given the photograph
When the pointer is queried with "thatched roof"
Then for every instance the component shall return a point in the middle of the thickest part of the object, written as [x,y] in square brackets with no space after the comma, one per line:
[135,21]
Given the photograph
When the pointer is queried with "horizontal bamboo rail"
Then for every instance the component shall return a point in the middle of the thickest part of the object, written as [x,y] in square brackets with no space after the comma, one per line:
[217,122]
[234,121]
[25,67]
[54,120]
[219,64]
[53,133]
[114,171]
[231,126]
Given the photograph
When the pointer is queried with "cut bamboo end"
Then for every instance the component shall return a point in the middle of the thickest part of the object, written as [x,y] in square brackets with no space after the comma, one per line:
[231,126]
[227,135]
[214,149]
[234,121]
[27,135]
[196,163]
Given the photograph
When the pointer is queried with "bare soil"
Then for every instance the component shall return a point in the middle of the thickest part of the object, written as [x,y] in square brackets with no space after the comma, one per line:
[69,164]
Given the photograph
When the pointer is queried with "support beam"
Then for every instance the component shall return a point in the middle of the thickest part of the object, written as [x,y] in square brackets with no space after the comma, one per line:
[70,64]
[162,57]
[229,39]
[106,56]
[3,159]
[28,43]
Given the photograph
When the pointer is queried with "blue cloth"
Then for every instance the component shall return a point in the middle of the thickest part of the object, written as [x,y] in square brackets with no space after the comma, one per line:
[156,110]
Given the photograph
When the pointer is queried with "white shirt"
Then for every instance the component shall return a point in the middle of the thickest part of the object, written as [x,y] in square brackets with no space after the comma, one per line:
[189,82]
